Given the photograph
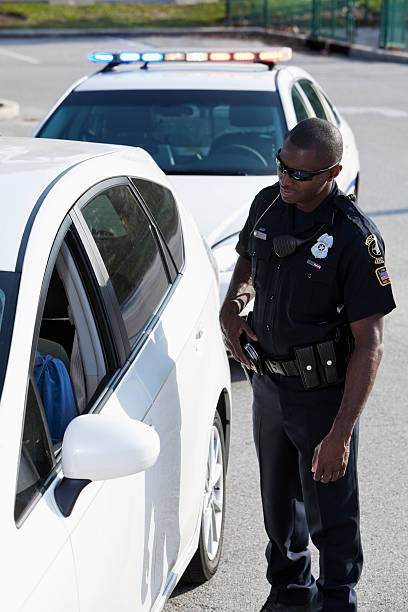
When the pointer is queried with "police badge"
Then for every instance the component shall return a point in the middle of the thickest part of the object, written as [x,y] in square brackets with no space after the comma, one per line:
[322,246]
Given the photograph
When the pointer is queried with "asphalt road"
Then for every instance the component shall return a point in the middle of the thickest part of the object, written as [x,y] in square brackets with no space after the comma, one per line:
[373,98]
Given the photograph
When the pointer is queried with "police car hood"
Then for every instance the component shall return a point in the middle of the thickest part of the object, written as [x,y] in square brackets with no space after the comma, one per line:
[219,204]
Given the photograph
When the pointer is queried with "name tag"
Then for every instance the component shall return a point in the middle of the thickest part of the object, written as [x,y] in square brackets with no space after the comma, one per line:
[260,235]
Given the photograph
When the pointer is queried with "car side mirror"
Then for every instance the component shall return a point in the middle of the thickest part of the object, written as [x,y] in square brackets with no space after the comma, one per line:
[102,447]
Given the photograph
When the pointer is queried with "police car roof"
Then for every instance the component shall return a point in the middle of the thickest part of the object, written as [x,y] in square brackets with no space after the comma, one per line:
[252,77]
[52,174]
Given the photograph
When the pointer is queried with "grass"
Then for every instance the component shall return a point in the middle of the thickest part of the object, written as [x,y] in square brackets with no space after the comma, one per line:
[120,15]
[132,15]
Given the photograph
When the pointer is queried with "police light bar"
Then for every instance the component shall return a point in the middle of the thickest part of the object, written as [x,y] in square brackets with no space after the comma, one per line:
[266,56]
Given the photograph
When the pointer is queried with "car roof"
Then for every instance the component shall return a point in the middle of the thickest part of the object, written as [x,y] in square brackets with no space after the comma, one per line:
[202,77]
[39,173]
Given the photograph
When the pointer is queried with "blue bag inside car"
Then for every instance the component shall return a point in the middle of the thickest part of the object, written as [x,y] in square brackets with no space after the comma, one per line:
[55,389]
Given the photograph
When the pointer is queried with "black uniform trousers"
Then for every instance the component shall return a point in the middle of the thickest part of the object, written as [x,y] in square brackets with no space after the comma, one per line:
[288,424]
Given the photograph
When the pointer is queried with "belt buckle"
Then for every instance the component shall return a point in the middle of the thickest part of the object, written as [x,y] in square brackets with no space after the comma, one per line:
[274,367]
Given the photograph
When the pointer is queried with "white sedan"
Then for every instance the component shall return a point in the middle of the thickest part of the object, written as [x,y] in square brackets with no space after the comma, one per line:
[213,121]
[114,384]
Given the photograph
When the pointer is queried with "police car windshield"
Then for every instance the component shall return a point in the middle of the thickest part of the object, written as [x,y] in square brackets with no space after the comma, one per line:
[8,295]
[186,132]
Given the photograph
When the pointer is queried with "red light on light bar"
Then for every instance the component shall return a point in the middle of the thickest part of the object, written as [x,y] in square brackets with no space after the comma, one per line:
[274,55]
[244,56]
[219,56]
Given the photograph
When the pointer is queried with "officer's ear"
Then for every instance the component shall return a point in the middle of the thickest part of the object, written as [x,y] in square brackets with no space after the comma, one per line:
[335,171]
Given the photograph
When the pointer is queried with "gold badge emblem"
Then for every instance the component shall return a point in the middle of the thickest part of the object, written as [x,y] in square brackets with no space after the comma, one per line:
[374,249]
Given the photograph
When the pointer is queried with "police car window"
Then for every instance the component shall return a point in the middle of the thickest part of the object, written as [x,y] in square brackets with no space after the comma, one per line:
[131,255]
[186,131]
[298,104]
[313,98]
[332,110]
[163,208]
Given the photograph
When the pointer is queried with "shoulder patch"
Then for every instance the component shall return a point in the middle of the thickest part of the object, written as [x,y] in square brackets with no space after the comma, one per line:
[374,249]
[383,276]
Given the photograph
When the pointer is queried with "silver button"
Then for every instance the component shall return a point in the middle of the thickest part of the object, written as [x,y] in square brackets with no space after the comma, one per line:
[308,367]
[329,362]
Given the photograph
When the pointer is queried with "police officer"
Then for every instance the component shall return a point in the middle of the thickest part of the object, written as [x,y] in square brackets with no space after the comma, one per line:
[315,264]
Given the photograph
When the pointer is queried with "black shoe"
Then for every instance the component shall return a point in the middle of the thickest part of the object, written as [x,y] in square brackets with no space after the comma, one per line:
[271,605]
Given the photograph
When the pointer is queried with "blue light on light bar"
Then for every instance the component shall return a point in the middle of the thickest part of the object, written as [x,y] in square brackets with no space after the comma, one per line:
[100,57]
[152,57]
[129,56]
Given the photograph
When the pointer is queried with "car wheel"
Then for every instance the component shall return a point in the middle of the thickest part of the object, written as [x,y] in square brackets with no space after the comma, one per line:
[205,562]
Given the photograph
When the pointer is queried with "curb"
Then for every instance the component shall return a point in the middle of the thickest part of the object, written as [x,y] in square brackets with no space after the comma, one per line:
[271,36]
[8,109]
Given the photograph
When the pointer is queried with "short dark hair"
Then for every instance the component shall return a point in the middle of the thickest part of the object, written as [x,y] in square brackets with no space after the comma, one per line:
[319,135]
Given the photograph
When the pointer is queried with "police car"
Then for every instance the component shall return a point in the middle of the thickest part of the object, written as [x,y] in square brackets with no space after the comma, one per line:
[212,120]
[114,383]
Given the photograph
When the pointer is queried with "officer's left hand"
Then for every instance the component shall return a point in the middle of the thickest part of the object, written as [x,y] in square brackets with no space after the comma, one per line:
[330,459]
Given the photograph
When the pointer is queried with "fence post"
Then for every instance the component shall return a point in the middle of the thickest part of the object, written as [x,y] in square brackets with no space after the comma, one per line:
[266,13]
[228,11]
[393,22]
[350,20]
[316,19]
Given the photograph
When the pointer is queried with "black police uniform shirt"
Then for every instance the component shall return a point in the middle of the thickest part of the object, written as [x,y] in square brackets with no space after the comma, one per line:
[339,276]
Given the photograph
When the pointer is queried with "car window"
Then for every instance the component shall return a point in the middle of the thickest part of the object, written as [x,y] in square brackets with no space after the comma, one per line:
[299,105]
[185,131]
[336,118]
[131,254]
[313,98]
[68,364]
[163,208]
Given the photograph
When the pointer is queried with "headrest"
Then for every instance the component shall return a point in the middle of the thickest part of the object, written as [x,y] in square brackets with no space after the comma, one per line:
[56,302]
[244,116]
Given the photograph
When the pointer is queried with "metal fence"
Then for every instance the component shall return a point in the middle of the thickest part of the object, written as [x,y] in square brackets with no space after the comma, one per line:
[321,18]
[393,24]
[333,19]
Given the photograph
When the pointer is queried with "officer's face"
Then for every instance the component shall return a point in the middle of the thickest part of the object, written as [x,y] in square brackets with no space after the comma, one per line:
[307,194]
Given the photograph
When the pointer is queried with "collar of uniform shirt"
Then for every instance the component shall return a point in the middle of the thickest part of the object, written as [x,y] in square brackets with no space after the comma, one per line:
[322,215]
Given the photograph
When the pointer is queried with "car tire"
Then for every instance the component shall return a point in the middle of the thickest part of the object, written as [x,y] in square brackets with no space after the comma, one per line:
[206,559]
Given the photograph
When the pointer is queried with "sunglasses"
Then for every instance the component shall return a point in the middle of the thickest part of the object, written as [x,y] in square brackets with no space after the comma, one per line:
[299,175]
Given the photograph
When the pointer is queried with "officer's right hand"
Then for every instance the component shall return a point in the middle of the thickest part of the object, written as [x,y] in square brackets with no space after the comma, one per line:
[232,326]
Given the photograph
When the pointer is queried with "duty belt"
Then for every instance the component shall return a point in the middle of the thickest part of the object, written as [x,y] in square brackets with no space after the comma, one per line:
[283,368]
[318,365]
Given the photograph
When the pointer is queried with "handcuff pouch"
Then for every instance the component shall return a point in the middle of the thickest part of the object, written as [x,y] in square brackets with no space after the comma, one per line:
[307,365]
[329,362]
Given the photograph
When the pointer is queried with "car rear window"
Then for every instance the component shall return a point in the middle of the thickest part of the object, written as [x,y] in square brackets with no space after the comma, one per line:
[185,131]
